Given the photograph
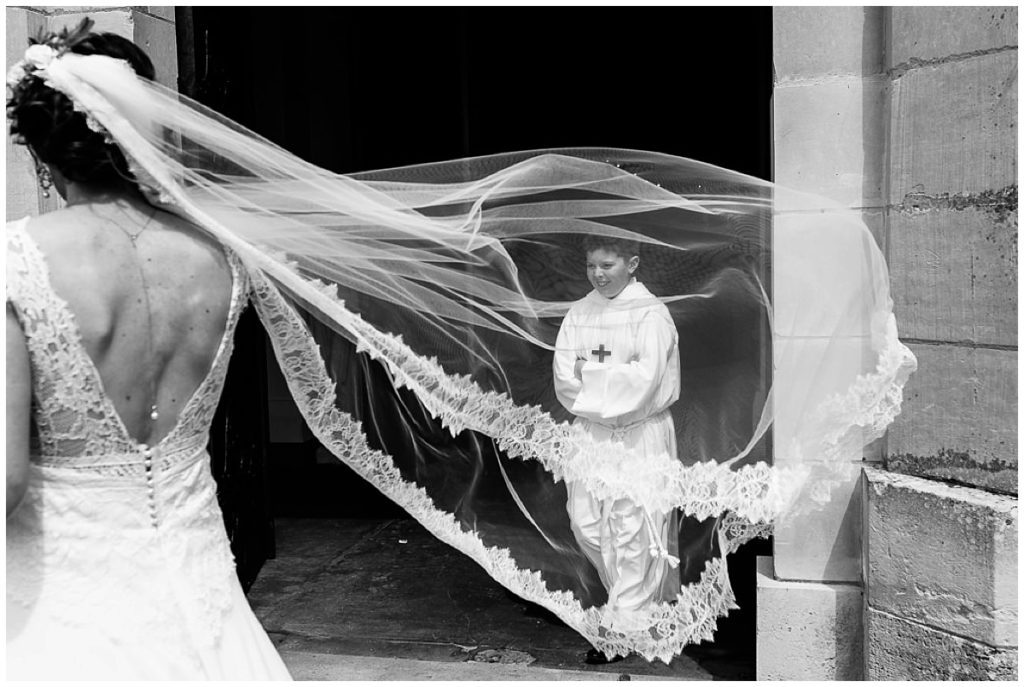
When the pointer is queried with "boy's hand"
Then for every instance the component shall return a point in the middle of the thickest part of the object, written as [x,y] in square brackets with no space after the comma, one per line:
[578,368]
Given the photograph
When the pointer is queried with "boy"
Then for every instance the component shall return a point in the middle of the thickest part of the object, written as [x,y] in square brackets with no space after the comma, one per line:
[616,368]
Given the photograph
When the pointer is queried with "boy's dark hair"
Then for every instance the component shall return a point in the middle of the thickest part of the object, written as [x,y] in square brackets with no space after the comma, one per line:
[626,248]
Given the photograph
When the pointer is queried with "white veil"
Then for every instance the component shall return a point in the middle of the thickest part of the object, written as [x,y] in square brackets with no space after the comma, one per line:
[413,313]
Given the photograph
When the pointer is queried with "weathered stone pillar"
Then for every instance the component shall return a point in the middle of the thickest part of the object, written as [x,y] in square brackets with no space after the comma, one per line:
[151,27]
[941,560]
[829,109]
[909,113]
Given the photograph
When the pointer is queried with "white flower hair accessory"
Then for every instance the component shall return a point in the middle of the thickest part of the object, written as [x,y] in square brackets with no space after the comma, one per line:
[44,50]
[39,55]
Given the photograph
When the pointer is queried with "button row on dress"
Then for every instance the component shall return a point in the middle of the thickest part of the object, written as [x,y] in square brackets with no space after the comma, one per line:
[147,463]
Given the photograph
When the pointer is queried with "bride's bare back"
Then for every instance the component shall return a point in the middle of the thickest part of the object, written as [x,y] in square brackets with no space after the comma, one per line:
[169,349]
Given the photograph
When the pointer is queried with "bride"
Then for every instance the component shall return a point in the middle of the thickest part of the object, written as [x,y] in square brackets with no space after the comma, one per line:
[424,302]
[120,318]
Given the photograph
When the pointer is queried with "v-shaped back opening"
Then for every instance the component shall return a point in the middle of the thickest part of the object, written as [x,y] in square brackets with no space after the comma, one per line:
[92,369]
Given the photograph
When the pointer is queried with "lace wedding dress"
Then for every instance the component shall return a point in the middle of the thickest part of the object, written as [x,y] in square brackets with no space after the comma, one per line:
[118,565]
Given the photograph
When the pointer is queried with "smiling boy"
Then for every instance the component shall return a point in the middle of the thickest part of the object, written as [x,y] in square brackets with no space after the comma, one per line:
[616,368]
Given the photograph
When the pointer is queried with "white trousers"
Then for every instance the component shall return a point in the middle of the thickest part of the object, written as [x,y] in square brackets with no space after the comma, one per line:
[617,540]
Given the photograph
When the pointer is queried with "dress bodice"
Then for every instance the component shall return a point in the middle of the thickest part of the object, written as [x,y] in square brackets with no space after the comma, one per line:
[78,426]
[112,535]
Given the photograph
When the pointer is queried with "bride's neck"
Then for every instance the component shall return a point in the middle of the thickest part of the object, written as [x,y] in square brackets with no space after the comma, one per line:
[76,193]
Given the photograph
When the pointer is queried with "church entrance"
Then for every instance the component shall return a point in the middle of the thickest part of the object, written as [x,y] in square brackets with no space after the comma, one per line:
[353,89]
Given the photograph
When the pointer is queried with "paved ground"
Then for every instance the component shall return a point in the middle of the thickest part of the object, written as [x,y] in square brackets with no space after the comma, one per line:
[384,600]
[309,666]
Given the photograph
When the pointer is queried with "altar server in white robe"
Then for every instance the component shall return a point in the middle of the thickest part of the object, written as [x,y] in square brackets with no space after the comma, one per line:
[616,368]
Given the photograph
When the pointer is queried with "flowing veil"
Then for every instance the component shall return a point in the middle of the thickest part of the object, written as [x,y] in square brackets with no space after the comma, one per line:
[414,313]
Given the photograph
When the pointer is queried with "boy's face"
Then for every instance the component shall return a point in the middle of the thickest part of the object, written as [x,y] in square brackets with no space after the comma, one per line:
[609,272]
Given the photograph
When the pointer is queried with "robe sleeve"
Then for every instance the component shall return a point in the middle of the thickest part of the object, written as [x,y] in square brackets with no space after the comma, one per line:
[567,386]
[645,385]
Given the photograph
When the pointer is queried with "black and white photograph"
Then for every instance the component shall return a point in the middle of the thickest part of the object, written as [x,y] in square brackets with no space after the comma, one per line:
[523,342]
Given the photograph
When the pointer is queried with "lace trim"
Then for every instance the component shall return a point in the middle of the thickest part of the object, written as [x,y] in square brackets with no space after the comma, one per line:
[71,413]
[754,494]
[568,452]
[607,469]
[870,405]
[736,531]
[860,415]
[757,492]
[692,617]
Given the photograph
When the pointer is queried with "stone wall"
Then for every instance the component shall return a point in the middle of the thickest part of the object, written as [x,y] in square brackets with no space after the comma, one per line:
[151,27]
[909,114]
[952,240]
[941,556]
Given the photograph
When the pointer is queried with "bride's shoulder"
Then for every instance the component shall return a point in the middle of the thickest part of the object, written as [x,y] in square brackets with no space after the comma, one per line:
[15,225]
[37,246]
[57,229]
[45,234]
[14,233]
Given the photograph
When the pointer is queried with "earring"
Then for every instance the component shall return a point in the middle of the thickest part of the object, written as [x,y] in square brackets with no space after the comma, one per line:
[45,179]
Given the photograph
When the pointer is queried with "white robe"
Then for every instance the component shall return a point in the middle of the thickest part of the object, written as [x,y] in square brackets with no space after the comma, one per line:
[630,379]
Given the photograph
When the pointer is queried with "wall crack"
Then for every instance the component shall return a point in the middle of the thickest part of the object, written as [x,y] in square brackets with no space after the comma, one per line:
[917,63]
[1001,203]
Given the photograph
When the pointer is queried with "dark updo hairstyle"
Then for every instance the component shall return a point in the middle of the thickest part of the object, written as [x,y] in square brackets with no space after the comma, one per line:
[46,121]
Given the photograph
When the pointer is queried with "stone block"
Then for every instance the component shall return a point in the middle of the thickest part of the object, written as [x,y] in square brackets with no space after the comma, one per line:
[954,128]
[836,251]
[112,19]
[935,33]
[21,186]
[830,138]
[807,630]
[75,9]
[897,649]
[942,555]
[162,11]
[954,275]
[22,23]
[158,38]
[820,539]
[876,220]
[957,468]
[811,42]
[824,544]
[959,411]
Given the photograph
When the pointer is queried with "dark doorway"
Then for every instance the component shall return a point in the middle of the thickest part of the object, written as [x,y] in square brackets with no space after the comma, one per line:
[354,89]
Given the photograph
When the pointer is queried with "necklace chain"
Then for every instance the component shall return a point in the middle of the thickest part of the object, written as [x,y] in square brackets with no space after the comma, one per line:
[135,237]
[154,413]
